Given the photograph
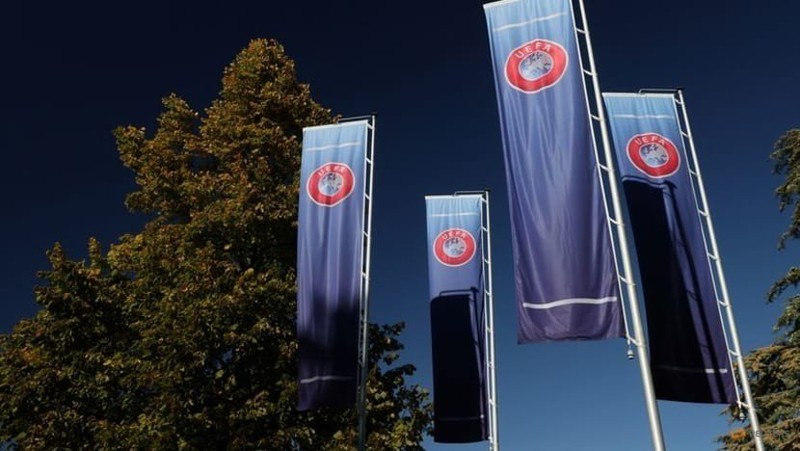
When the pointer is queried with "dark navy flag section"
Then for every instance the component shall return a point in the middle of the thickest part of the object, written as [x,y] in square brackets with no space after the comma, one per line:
[329,263]
[566,280]
[688,352]
[455,275]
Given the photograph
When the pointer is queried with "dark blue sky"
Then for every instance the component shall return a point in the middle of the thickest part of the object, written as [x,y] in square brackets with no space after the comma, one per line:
[73,72]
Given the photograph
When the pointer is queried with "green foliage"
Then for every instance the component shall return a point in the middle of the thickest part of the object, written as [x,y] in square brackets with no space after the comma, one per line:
[182,336]
[774,370]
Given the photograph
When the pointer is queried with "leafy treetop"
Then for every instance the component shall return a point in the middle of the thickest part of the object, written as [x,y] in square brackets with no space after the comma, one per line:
[182,336]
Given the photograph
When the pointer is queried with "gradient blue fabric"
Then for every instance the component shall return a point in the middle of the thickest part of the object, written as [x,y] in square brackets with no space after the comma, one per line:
[455,275]
[688,355]
[566,280]
[329,263]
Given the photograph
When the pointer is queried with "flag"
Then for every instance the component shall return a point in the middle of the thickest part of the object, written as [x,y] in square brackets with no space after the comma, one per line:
[566,283]
[455,275]
[329,262]
[688,353]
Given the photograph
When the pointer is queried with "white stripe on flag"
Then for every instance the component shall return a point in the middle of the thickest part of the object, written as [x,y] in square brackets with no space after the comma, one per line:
[683,369]
[527,22]
[644,116]
[562,302]
[325,378]
[446,215]
[334,146]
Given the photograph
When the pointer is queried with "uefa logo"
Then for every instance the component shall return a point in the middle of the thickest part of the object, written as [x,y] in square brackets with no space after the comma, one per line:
[330,184]
[536,65]
[654,155]
[454,247]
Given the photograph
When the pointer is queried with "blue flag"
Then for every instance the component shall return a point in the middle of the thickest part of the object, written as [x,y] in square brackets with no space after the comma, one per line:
[455,275]
[688,355]
[566,283]
[329,263]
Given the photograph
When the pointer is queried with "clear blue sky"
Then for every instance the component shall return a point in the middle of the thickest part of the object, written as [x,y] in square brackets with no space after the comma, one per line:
[73,72]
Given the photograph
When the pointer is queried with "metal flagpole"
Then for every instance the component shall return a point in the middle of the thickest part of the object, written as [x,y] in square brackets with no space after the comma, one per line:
[488,316]
[364,302]
[490,330]
[488,302]
[726,300]
[640,342]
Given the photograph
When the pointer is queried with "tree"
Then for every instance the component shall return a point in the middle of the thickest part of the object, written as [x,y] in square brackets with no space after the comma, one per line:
[183,335]
[774,370]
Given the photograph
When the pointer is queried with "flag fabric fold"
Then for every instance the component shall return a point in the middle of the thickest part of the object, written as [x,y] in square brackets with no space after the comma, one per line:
[566,280]
[688,353]
[329,263]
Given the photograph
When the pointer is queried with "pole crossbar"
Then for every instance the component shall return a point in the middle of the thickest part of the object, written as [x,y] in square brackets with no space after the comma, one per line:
[656,434]
[367,117]
[625,281]
[719,280]
[634,340]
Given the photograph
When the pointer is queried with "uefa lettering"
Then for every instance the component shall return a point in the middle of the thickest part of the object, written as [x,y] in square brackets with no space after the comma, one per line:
[454,247]
[330,184]
[654,155]
[536,65]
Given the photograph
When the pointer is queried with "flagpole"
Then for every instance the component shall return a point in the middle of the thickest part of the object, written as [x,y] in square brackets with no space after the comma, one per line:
[365,273]
[726,300]
[488,293]
[488,317]
[640,342]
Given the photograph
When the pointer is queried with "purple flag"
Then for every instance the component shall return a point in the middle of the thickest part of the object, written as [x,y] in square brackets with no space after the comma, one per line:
[455,275]
[329,263]
[688,355]
[566,284]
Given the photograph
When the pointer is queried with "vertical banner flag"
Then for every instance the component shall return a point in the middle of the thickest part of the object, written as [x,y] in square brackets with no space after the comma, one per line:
[566,285]
[455,275]
[329,262]
[688,353]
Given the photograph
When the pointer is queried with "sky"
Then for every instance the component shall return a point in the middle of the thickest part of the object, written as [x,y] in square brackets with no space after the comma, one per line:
[72,72]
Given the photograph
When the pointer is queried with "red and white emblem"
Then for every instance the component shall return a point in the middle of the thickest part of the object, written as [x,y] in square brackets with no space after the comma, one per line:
[536,65]
[654,155]
[454,247]
[330,184]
